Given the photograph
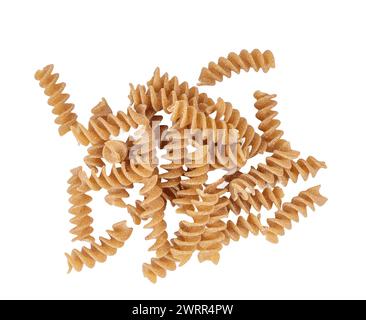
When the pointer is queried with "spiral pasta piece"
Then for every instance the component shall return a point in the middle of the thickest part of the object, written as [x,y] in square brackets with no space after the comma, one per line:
[189,234]
[227,150]
[154,206]
[196,175]
[57,98]
[162,92]
[95,152]
[246,133]
[269,124]
[212,242]
[80,209]
[301,168]
[99,252]
[235,63]
[243,227]
[176,150]
[266,198]
[264,174]
[101,128]
[94,157]
[213,238]
[187,116]
[158,267]
[290,212]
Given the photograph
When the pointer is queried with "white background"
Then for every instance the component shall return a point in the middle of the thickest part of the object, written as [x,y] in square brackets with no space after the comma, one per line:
[99,47]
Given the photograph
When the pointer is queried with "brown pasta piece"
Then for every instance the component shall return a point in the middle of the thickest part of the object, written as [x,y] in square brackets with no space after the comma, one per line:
[225,111]
[189,234]
[269,124]
[245,60]
[176,150]
[115,151]
[99,252]
[266,198]
[158,267]
[80,209]
[213,238]
[218,131]
[290,212]
[196,175]
[265,173]
[162,92]
[57,98]
[243,227]
[153,209]
[101,129]
[303,168]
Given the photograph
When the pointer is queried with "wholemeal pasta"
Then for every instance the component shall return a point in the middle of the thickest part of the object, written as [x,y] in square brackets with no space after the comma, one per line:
[245,60]
[88,256]
[66,118]
[80,210]
[246,133]
[243,227]
[203,135]
[266,198]
[101,129]
[190,232]
[153,206]
[213,238]
[269,124]
[290,212]
[162,92]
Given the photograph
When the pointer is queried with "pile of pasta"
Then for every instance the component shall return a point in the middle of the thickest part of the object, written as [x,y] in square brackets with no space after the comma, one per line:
[213,213]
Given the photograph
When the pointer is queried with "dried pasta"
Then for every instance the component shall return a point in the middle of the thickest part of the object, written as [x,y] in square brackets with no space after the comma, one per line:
[57,98]
[190,233]
[246,133]
[80,209]
[290,212]
[245,60]
[243,227]
[266,198]
[101,129]
[203,135]
[88,256]
[269,124]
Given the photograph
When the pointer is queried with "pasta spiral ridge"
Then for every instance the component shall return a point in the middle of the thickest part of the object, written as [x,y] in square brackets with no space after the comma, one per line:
[226,112]
[101,128]
[234,62]
[154,206]
[162,92]
[290,212]
[266,198]
[95,152]
[196,175]
[99,252]
[243,227]
[269,124]
[219,132]
[301,168]
[158,267]
[57,98]
[189,234]
[94,157]
[213,238]
[80,209]
[119,176]
[176,150]
[264,174]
